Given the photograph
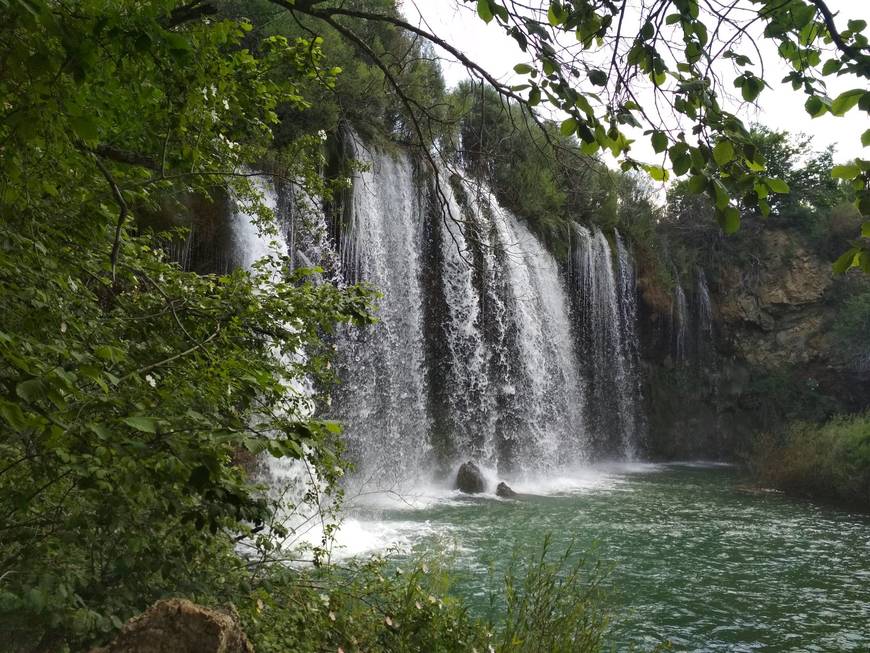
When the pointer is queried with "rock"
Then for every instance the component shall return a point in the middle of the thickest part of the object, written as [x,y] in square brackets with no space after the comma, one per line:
[504,491]
[469,479]
[180,626]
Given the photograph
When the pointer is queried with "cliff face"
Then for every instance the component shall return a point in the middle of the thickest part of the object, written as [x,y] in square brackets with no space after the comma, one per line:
[774,311]
[774,352]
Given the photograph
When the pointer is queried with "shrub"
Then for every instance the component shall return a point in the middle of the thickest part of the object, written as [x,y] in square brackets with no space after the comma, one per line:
[830,462]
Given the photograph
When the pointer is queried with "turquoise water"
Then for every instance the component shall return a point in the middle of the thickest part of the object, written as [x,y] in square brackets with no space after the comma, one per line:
[695,558]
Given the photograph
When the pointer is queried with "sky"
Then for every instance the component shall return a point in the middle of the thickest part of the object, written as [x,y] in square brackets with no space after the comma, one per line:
[778,107]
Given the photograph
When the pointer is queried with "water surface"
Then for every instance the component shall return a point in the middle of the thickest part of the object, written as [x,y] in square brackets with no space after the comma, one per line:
[695,557]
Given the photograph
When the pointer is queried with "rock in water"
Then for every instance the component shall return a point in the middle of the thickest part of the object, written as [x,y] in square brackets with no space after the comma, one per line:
[470,479]
[504,491]
[180,626]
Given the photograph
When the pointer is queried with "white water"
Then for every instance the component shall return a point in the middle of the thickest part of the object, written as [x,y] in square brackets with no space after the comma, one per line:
[606,307]
[382,401]
[485,347]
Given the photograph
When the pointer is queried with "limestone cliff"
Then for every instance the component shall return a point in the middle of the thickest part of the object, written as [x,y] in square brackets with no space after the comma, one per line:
[775,349]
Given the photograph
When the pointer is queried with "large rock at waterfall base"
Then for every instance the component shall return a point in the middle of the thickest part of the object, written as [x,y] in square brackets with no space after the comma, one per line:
[469,479]
[179,626]
[504,491]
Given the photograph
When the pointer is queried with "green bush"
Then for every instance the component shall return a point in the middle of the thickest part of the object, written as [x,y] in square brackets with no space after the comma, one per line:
[545,604]
[830,462]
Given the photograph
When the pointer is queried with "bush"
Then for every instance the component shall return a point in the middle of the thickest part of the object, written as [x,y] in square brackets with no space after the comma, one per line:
[829,462]
[551,603]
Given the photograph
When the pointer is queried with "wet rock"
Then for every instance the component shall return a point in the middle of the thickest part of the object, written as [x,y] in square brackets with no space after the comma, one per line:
[180,626]
[504,491]
[470,479]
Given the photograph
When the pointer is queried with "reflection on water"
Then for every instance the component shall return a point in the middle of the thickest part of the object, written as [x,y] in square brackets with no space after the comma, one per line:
[696,558]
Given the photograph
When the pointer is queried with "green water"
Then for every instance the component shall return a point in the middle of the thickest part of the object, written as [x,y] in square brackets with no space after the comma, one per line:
[695,558]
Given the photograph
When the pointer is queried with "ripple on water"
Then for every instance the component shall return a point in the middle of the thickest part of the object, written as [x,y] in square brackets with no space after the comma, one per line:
[695,558]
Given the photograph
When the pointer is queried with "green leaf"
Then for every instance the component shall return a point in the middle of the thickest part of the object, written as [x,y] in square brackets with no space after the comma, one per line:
[831,66]
[720,195]
[865,230]
[523,69]
[598,77]
[484,10]
[659,141]
[85,128]
[723,152]
[846,171]
[847,260]
[730,220]
[647,31]
[568,127]
[657,172]
[865,138]
[845,101]
[815,107]
[553,15]
[776,185]
[697,184]
[751,87]
[30,390]
[142,423]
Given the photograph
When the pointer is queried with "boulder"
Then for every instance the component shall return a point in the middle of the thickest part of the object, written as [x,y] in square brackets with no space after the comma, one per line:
[180,626]
[469,479]
[504,491]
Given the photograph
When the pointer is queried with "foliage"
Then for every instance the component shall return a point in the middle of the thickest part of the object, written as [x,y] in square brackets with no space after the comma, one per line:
[362,96]
[685,81]
[551,603]
[852,326]
[128,386]
[813,192]
[830,462]
[538,174]
[552,606]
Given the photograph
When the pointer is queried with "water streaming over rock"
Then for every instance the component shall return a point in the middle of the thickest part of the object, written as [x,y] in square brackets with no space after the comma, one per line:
[703,318]
[486,347]
[606,313]
[679,323]
[513,391]
[382,397]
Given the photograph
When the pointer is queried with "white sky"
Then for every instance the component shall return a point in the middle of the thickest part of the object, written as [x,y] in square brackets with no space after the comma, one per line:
[779,106]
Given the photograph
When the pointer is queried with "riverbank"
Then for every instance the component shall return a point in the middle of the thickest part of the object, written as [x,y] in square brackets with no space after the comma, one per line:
[828,462]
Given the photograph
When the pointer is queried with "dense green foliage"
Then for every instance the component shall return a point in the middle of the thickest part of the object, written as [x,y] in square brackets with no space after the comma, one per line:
[830,462]
[545,603]
[127,386]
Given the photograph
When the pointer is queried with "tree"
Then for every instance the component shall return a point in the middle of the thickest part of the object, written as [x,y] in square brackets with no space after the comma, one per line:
[591,60]
[128,386]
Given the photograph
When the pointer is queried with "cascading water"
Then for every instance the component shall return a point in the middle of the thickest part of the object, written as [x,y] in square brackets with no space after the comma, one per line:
[679,323]
[479,351]
[605,314]
[514,396]
[703,317]
[382,397]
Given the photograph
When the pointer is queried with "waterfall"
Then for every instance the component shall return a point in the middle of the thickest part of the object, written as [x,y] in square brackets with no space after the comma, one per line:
[485,346]
[382,397]
[514,395]
[606,315]
[703,317]
[679,323]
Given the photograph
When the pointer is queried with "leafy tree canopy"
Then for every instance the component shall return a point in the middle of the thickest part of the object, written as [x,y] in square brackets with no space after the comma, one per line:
[607,66]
